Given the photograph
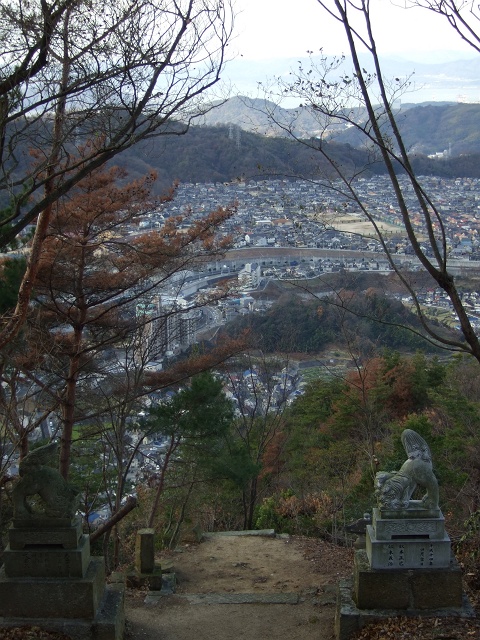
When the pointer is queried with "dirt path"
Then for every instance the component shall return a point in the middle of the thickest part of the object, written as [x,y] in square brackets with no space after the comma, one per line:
[247,587]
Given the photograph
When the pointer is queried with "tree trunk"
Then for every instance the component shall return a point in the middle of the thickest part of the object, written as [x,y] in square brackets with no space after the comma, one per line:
[130,504]
[161,484]
[69,408]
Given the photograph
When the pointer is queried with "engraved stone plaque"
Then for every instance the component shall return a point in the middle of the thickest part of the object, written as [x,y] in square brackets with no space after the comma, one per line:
[413,553]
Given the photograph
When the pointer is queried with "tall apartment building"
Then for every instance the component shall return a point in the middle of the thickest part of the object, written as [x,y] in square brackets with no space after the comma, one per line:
[166,325]
[249,277]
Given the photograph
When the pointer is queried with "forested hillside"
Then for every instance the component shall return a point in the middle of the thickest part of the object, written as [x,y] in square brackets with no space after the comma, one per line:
[225,152]
[296,324]
[216,154]
[340,432]
[429,129]
[426,128]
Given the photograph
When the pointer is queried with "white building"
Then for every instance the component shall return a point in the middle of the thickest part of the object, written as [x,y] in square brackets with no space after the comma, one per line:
[249,277]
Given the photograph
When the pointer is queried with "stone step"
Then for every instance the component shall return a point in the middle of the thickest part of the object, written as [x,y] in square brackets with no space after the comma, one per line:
[241,598]
[229,598]
[268,533]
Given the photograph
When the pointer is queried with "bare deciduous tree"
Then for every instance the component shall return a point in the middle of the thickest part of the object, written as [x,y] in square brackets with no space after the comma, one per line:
[364,99]
[462,15]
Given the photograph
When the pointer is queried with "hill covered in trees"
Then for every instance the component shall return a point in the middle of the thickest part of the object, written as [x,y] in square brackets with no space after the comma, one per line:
[428,129]
[224,153]
[366,322]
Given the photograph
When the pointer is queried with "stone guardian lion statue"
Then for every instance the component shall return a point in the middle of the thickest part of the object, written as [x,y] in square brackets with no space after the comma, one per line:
[59,498]
[394,490]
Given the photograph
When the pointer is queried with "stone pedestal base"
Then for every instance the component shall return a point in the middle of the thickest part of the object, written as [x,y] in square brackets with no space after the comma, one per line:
[53,597]
[406,588]
[44,560]
[414,538]
[108,623]
[50,580]
[349,618]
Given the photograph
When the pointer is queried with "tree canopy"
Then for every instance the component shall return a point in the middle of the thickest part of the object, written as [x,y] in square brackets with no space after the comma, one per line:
[80,83]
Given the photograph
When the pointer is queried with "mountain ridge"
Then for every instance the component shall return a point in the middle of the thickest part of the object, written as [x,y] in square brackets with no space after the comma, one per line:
[225,151]
[427,127]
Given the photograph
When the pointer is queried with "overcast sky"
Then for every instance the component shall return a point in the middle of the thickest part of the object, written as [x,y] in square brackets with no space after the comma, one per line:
[270,29]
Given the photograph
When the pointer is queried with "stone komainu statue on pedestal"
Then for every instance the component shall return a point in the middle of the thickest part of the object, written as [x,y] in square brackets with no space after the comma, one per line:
[60,499]
[49,578]
[394,490]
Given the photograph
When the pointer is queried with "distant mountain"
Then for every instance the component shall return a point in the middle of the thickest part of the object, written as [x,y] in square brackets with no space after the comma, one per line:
[225,153]
[242,145]
[260,116]
[427,128]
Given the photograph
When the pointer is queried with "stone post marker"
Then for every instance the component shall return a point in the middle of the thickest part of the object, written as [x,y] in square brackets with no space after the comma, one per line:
[407,567]
[145,551]
[49,578]
[146,572]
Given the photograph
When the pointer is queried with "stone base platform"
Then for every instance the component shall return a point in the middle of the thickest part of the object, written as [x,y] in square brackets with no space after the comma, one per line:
[349,618]
[108,623]
[404,589]
[50,580]
[53,597]
[152,581]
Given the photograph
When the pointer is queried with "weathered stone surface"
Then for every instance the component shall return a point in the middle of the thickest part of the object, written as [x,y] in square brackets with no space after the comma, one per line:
[47,561]
[403,526]
[415,509]
[242,598]
[262,533]
[407,553]
[45,532]
[395,540]
[169,582]
[53,597]
[39,522]
[349,618]
[50,580]
[406,589]
[437,589]
[153,581]
[379,589]
[145,551]
[108,624]
[58,498]
[394,489]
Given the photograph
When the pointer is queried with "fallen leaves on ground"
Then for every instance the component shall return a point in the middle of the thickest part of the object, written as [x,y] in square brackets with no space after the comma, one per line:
[327,558]
[421,629]
[31,633]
